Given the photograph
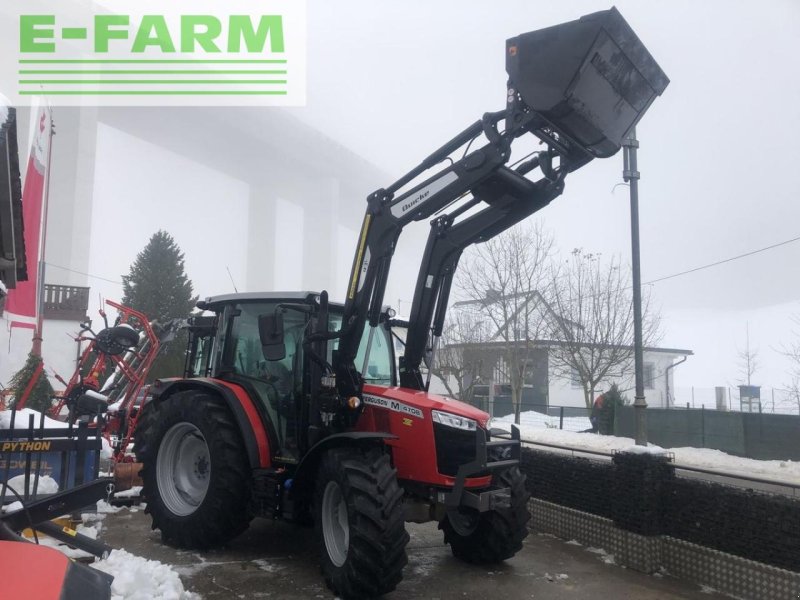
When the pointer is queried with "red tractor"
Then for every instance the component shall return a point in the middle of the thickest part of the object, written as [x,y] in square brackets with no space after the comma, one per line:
[293,407]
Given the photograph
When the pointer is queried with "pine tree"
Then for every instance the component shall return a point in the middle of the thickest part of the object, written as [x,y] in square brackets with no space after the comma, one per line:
[157,286]
[41,395]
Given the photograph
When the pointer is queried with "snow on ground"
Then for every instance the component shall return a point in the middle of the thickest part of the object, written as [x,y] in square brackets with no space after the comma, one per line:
[603,555]
[136,578]
[533,430]
[536,420]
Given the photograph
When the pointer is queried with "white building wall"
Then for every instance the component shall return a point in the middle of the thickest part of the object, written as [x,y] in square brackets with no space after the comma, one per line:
[59,349]
[563,393]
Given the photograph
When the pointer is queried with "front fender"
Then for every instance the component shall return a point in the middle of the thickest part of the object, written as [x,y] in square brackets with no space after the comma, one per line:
[304,475]
[240,404]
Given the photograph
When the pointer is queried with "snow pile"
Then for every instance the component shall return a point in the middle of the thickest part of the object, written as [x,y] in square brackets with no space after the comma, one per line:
[136,578]
[106,451]
[704,458]
[603,555]
[47,485]
[22,418]
[134,492]
[104,507]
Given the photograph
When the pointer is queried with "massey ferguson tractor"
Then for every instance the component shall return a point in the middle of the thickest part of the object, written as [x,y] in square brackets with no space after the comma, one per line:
[295,407]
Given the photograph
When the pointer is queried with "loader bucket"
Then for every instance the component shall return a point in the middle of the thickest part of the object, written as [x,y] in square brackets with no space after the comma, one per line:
[591,80]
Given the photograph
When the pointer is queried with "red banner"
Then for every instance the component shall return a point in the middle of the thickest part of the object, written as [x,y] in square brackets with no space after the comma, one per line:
[22,303]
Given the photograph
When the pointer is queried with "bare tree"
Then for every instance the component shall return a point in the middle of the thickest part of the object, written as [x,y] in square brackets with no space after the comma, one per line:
[593,301]
[792,352]
[457,368]
[748,360]
[505,281]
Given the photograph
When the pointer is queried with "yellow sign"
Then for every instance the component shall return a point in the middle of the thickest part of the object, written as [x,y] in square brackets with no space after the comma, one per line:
[38,446]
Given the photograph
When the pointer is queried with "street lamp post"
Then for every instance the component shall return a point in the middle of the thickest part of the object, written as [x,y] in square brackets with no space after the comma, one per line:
[630,174]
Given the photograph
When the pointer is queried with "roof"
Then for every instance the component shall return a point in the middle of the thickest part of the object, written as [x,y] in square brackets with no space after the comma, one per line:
[212,301]
[548,343]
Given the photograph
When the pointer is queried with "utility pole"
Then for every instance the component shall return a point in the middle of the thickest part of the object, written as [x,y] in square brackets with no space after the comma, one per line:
[630,174]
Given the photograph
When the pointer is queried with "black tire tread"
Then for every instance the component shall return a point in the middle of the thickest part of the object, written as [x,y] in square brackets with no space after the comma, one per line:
[378,538]
[226,510]
[499,533]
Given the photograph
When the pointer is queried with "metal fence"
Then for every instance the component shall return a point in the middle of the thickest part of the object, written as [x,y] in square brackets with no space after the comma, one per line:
[535,414]
[763,436]
[774,400]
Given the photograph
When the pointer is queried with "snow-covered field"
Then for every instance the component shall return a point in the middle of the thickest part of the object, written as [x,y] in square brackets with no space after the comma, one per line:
[535,420]
[533,427]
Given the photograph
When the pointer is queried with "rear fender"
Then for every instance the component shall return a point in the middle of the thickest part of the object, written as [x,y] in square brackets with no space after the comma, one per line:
[305,474]
[253,431]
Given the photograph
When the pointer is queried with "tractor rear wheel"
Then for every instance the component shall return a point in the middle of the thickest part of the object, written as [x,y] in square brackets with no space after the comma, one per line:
[494,536]
[195,472]
[359,522]
[148,416]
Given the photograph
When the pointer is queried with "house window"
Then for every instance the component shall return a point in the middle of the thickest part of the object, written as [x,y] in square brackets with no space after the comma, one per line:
[649,375]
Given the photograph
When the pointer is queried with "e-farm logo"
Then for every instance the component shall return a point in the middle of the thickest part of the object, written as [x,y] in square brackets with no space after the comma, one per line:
[222,55]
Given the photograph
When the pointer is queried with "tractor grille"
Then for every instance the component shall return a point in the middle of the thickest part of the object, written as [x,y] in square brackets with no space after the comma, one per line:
[454,447]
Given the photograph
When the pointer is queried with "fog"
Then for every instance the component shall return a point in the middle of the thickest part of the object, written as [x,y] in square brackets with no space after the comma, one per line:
[392,81]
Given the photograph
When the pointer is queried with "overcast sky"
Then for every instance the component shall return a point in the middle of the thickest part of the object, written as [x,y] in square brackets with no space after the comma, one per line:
[393,80]
[719,150]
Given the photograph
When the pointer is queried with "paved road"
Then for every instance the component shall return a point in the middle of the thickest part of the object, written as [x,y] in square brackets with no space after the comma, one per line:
[278,560]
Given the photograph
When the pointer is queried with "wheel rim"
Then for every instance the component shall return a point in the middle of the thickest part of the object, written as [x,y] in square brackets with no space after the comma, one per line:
[335,525]
[183,469]
[463,521]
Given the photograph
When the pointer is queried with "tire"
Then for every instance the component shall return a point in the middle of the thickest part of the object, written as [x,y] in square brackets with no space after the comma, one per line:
[359,522]
[493,536]
[148,416]
[116,340]
[195,471]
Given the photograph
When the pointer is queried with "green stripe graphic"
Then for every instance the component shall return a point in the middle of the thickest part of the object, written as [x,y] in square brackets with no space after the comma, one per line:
[148,61]
[156,92]
[140,81]
[148,72]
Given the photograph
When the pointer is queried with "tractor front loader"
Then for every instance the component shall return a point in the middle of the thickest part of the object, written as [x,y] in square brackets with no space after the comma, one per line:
[295,407]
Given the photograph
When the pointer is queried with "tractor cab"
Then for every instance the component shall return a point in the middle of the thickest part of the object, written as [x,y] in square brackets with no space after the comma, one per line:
[230,345]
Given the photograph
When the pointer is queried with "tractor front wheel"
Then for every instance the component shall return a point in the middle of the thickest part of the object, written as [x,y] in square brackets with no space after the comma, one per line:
[360,522]
[494,536]
[195,471]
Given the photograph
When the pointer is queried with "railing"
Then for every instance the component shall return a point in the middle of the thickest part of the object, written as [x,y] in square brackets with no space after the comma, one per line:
[65,302]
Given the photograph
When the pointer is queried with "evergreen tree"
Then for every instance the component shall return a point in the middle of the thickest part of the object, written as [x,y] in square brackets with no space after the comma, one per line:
[158,287]
[41,395]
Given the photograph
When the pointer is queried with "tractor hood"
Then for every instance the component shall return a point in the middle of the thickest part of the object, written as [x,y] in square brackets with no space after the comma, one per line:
[425,402]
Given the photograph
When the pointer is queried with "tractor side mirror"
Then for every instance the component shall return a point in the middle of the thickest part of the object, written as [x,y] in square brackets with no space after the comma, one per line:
[270,330]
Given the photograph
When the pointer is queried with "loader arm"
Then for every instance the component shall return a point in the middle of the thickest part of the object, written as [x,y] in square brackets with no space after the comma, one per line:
[510,198]
[579,87]
[387,215]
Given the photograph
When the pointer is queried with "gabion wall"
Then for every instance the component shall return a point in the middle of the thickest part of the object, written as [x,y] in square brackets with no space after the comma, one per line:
[641,494]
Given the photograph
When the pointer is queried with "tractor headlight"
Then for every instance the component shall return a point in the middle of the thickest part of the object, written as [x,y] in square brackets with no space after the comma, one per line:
[451,420]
